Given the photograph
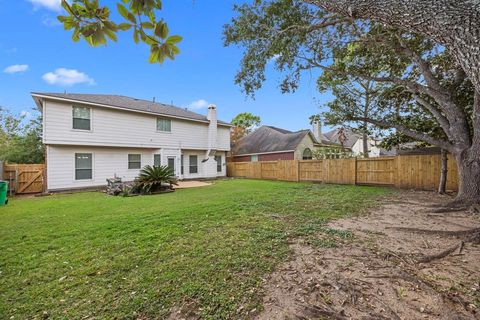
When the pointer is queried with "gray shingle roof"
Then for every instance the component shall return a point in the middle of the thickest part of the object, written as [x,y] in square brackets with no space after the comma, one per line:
[131,104]
[269,139]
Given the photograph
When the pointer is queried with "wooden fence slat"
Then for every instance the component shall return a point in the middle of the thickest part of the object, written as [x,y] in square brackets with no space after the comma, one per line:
[407,171]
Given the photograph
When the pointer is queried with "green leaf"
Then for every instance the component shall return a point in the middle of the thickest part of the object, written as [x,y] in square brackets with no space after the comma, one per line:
[122,10]
[153,58]
[124,26]
[174,39]
[76,35]
[111,34]
[147,25]
[161,30]
[125,13]
[136,36]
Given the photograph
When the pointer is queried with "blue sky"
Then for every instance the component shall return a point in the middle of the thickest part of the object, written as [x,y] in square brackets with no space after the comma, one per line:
[36,54]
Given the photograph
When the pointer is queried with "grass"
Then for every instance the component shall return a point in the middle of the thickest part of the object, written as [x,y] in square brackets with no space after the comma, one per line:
[89,255]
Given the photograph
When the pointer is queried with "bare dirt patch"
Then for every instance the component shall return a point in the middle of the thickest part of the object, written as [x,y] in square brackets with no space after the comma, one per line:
[368,267]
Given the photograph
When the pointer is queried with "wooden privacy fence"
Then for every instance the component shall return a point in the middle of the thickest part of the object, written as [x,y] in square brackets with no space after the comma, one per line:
[409,171]
[24,178]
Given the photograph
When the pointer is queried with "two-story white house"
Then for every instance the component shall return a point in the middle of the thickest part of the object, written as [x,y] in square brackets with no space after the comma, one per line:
[92,137]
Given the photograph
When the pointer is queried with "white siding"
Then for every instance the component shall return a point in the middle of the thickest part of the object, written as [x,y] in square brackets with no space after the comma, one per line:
[107,162]
[126,129]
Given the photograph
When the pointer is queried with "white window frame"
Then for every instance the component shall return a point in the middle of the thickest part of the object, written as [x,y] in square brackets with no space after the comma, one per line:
[75,167]
[128,161]
[219,165]
[163,118]
[160,158]
[190,163]
[91,119]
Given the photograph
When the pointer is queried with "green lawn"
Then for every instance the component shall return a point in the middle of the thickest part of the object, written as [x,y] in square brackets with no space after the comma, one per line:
[90,255]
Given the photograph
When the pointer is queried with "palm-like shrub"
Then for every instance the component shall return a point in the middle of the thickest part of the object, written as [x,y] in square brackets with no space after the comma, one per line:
[155,178]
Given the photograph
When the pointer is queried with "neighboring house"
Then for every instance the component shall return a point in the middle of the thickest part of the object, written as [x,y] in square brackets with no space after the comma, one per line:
[354,141]
[269,143]
[92,137]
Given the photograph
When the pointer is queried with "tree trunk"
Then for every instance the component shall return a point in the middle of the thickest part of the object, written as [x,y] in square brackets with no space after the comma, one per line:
[453,23]
[365,144]
[468,163]
[444,171]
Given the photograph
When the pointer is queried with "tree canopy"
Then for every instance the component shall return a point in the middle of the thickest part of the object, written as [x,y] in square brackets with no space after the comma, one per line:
[246,120]
[20,142]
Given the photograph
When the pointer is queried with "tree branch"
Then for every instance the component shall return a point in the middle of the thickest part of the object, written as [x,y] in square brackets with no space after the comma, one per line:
[441,119]
[451,23]
[412,134]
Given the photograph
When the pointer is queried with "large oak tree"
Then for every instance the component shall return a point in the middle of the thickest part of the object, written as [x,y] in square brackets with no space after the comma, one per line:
[306,36]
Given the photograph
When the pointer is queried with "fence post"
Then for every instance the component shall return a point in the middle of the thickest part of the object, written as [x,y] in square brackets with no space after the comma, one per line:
[356,170]
[298,170]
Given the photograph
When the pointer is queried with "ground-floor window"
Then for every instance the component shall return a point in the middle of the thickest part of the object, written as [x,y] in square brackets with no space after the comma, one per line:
[254,158]
[219,163]
[83,166]
[134,161]
[157,160]
[193,164]
[171,163]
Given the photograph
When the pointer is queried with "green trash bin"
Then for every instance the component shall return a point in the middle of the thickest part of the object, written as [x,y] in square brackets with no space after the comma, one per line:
[3,193]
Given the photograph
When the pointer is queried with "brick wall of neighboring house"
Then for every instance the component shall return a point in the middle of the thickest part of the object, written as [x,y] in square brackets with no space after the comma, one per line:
[306,142]
[241,158]
[276,156]
[266,157]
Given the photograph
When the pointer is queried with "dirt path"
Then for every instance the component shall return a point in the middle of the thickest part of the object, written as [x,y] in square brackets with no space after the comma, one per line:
[365,268]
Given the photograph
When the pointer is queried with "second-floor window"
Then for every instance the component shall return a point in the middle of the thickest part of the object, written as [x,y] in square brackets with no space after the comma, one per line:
[164,125]
[81,118]
[134,161]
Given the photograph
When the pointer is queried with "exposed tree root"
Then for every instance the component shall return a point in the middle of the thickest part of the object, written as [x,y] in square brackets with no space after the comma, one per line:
[458,205]
[461,234]
[442,254]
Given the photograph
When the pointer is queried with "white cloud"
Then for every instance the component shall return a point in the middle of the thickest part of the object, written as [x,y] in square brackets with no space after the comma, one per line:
[198,104]
[67,77]
[16,68]
[54,5]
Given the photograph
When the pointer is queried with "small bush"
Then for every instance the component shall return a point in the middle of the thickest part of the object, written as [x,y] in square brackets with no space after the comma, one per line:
[152,179]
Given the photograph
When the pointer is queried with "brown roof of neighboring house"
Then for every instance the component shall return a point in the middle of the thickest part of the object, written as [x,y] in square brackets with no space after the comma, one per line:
[271,139]
[128,103]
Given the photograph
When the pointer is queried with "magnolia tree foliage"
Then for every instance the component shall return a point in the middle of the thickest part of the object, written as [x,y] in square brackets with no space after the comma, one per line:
[91,21]
[426,95]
